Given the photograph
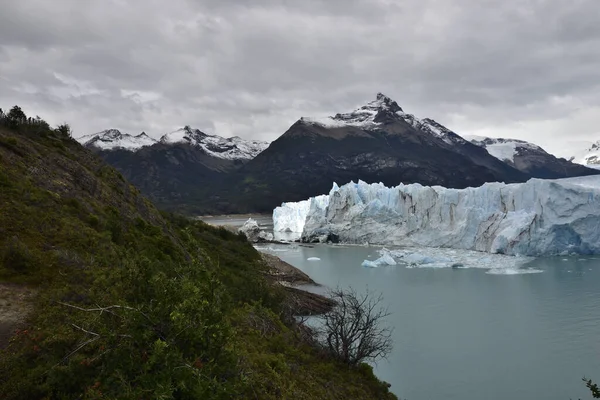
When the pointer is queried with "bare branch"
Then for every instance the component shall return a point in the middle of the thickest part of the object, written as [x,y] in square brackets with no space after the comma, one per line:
[84,330]
[352,330]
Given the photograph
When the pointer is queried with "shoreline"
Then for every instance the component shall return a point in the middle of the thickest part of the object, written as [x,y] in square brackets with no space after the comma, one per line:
[291,279]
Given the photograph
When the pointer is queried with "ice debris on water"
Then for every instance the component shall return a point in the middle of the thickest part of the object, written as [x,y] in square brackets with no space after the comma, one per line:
[497,264]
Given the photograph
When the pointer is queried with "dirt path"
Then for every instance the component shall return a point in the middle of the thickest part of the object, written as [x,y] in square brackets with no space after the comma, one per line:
[15,304]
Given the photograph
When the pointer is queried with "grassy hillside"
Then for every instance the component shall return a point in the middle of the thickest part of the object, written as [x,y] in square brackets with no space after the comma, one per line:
[133,303]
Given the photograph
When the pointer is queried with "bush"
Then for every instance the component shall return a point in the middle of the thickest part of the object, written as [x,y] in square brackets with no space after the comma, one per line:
[17,257]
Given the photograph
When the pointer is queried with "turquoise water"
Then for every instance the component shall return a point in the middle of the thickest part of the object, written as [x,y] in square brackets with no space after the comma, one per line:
[466,334]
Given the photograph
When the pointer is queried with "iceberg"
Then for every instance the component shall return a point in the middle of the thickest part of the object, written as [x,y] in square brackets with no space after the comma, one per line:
[254,232]
[385,259]
[538,217]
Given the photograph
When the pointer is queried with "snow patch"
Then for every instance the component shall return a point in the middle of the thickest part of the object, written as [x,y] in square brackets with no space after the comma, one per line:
[589,157]
[504,149]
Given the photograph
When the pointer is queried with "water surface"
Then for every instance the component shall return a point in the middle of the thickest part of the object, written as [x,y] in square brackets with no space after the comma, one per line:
[470,335]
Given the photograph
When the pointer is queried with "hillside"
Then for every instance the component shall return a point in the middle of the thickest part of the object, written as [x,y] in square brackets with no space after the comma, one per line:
[134,303]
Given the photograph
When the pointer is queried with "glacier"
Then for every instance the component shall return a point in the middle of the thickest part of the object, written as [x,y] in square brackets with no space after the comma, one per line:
[538,217]
[291,217]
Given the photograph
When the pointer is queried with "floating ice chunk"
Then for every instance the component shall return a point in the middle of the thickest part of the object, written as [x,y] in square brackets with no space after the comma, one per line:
[385,259]
[513,271]
[313,259]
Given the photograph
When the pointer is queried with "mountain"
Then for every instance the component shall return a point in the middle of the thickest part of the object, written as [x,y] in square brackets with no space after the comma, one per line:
[376,142]
[589,157]
[113,139]
[233,148]
[192,172]
[181,166]
[530,158]
[131,301]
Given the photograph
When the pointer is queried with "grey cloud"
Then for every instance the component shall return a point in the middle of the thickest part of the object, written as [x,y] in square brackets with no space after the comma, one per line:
[507,67]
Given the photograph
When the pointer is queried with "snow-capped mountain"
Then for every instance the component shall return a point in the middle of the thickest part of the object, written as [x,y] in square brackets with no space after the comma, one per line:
[529,158]
[589,157]
[233,148]
[376,142]
[194,172]
[379,111]
[180,167]
[113,139]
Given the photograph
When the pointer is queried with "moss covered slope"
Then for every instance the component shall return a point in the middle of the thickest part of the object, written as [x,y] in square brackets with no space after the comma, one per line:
[136,304]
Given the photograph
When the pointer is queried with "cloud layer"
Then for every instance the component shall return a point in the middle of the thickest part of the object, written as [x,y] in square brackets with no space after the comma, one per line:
[528,69]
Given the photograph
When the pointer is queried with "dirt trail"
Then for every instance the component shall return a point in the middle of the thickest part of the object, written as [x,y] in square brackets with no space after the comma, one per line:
[15,304]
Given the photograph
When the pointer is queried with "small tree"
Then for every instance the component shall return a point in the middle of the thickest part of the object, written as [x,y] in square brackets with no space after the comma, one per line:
[353,330]
[17,115]
[64,130]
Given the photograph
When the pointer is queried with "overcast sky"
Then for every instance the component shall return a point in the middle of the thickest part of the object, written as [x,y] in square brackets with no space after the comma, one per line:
[527,69]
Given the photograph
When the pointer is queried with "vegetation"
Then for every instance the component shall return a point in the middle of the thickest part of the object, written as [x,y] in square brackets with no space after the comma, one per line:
[594,390]
[133,303]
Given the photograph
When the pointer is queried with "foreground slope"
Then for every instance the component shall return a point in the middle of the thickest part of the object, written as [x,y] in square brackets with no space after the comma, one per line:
[133,303]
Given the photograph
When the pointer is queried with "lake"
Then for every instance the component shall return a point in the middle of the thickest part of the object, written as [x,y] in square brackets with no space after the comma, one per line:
[468,334]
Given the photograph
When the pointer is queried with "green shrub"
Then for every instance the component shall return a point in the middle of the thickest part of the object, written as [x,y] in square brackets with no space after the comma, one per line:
[16,257]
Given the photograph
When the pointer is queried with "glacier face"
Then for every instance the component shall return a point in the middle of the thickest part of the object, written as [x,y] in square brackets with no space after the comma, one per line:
[539,217]
[291,217]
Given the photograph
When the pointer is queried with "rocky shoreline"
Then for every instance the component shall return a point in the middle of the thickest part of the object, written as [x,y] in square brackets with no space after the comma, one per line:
[301,302]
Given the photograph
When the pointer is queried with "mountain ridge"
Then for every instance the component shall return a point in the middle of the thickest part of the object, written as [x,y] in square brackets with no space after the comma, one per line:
[375,142]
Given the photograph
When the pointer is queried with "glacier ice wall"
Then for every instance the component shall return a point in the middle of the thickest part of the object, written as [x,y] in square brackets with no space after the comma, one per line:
[291,217]
[539,217]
